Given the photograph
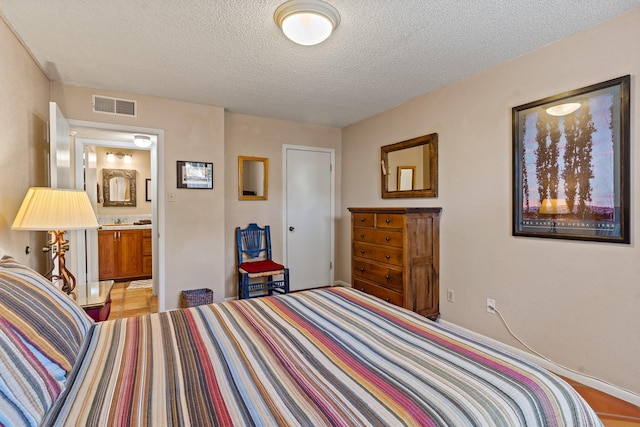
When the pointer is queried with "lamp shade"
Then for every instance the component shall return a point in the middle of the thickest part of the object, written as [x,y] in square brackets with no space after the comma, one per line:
[45,209]
[554,207]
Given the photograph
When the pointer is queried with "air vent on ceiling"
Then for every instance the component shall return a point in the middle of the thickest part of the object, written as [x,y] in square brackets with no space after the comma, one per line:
[120,107]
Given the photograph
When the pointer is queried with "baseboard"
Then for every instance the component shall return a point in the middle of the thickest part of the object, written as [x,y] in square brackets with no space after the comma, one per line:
[341,283]
[602,386]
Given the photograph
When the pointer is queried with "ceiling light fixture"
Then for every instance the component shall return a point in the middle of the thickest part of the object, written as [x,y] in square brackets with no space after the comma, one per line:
[307,22]
[142,141]
[563,109]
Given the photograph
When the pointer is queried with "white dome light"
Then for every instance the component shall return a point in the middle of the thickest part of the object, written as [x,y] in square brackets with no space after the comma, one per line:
[307,22]
[563,109]
[142,141]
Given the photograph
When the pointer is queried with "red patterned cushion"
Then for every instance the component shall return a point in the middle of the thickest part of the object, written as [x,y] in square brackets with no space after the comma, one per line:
[262,266]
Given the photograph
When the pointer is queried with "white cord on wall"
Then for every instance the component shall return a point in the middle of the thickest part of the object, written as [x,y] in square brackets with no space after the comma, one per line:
[504,321]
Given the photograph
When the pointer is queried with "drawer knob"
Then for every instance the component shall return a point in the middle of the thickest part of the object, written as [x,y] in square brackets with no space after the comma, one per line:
[361,219]
[387,299]
[387,277]
[361,251]
[362,269]
[361,289]
[362,235]
[387,220]
[387,238]
[387,256]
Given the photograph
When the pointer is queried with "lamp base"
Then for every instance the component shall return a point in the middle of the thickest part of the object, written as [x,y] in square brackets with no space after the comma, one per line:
[65,276]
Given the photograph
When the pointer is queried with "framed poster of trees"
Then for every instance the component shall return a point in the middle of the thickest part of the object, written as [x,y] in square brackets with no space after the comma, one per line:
[571,165]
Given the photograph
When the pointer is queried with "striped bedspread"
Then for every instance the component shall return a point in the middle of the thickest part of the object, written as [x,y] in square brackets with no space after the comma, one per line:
[321,357]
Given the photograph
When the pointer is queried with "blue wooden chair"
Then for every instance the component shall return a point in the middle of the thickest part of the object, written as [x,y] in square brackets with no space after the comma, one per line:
[254,262]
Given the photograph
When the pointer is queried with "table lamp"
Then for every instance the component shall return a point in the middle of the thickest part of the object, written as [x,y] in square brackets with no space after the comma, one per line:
[553,208]
[56,211]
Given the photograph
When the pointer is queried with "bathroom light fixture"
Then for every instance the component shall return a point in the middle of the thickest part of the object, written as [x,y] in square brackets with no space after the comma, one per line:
[307,22]
[563,109]
[111,157]
[142,141]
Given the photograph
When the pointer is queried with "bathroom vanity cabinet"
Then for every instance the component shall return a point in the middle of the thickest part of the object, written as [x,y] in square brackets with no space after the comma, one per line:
[124,253]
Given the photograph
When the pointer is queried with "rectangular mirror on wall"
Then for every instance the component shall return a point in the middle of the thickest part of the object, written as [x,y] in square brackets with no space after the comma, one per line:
[253,178]
[410,168]
[119,187]
[406,178]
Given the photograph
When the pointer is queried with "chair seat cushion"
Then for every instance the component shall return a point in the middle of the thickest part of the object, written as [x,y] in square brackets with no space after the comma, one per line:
[265,267]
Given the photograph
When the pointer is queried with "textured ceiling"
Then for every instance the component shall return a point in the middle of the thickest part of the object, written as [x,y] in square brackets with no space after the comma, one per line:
[229,53]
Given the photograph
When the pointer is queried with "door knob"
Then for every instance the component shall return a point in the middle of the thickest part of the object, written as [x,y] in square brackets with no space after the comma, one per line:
[291,228]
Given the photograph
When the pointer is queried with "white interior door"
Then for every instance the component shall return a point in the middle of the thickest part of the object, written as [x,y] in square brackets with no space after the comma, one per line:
[62,176]
[88,168]
[59,149]
[309,216]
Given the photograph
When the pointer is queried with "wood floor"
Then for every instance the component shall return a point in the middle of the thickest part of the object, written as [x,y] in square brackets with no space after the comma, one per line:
[131,302]
[612,411]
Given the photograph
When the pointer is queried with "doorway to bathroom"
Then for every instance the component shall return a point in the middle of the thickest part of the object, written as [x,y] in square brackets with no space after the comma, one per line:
[100,152]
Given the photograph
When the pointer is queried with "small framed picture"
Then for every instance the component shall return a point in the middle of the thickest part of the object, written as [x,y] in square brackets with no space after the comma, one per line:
[147,191]
[194,174]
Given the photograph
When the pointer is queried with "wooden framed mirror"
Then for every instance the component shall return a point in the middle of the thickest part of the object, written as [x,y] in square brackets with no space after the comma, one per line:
[410,168]
[253,178]
[119,187]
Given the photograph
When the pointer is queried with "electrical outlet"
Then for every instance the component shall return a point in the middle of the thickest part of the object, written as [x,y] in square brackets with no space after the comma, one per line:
[450,295]
[171,196]
[491,306]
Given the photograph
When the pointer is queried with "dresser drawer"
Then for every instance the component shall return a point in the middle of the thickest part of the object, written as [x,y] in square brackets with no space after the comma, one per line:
[390,278]
[385,220]
[363,219]
[377,291]
[378,236]
[387,255]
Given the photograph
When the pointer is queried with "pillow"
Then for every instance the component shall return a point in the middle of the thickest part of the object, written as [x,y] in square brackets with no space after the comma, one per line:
[41,334]
[27,388]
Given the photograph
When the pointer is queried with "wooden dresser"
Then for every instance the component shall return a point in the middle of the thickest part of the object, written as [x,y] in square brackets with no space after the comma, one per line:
[395,256]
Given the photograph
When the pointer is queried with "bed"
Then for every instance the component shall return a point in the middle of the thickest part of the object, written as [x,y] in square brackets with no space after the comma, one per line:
[333,356]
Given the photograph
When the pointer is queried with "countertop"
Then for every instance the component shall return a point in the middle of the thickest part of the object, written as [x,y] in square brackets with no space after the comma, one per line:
[124,226]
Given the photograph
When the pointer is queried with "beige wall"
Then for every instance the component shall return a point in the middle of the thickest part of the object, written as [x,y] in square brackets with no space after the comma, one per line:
[194,223]
[576,302]
[24,110]
[262,137]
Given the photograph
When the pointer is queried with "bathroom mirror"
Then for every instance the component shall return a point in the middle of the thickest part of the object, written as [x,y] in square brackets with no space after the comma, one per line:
[119,187]
[410,168]
[253,178]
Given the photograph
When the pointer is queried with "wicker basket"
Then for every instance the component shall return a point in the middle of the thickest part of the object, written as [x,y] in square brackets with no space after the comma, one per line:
[194,297]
